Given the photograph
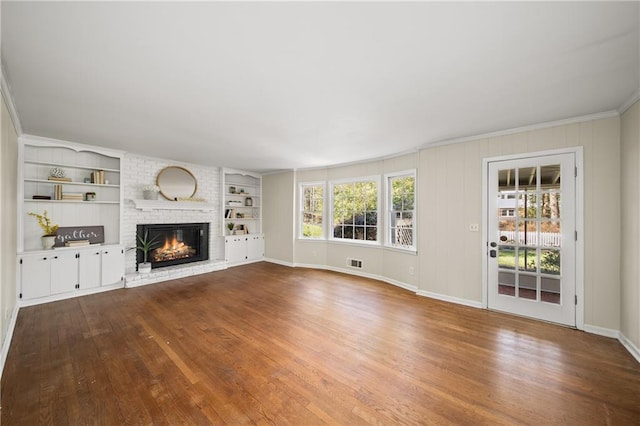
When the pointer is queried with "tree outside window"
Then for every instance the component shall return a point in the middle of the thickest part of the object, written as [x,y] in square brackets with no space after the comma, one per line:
[355,210]
[401,193]
[312,199]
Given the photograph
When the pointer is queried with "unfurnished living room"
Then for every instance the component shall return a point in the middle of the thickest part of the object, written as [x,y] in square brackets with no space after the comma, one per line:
[320,213]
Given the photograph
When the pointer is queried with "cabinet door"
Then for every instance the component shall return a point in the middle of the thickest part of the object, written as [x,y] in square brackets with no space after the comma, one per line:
[64,272]
[112,265]
[255,250]
[35,276]
[236,249]
[90,273]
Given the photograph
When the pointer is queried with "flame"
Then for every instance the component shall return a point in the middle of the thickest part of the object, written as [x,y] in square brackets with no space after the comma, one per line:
[172,244]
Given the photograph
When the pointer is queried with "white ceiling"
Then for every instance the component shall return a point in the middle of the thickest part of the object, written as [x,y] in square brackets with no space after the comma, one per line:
[268,86]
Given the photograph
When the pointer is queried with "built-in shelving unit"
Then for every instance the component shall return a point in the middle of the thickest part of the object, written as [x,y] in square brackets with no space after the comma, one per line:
[242,196]
[242,216]
[87,170]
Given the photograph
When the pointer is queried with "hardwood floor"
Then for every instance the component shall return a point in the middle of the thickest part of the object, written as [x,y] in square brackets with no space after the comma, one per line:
[267,344]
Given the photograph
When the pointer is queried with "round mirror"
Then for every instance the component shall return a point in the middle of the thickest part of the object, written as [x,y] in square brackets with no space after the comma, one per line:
[176,182]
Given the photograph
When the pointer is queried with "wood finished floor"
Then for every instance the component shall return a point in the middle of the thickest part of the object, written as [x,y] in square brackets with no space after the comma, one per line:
[267,344]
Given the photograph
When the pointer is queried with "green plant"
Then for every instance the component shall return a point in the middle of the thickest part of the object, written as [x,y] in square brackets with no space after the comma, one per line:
[45,223]
[230,225]
[145,245]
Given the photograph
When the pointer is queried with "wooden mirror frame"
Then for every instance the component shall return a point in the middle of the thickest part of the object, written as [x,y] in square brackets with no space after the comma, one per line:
[173,191]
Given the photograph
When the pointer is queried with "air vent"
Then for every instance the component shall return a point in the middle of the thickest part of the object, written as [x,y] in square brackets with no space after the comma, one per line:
[354,263]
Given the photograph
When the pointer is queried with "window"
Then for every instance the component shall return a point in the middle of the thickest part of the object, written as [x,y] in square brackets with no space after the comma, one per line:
[312,210]
[355,210]
[401,197]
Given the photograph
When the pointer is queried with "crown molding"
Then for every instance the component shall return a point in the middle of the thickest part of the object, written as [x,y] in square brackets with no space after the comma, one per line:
[8,100]
[557,123]
[635,97]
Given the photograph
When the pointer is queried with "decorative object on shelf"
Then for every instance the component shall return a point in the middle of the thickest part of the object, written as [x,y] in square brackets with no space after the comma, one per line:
[248,202]
[230,225]
[176,182]
[192,199]
[242,190]
[145,245]
[95,234]
[90,196]
[49,237]
[57,172]
[150,192]
[232,190]
[87,180]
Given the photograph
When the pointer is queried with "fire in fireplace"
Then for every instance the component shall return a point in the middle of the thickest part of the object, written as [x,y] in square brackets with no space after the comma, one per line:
[176,243]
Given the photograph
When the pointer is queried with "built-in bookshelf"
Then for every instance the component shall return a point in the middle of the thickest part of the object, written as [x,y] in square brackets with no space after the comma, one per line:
[76,184]
[242,201]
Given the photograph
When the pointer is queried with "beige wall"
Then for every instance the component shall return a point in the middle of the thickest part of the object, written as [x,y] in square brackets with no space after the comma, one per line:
[391,265]
[8,219]
[278,216]
[451,199]
[449,260]
[630,251]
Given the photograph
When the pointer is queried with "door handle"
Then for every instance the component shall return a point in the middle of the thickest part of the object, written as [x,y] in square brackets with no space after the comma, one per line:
[493,253]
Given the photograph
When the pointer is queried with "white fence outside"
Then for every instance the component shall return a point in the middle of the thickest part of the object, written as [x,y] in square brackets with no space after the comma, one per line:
[547,239]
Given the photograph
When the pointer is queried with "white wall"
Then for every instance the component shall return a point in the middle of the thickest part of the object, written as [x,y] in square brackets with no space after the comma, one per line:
[8,220]
[630,251]
[138,171]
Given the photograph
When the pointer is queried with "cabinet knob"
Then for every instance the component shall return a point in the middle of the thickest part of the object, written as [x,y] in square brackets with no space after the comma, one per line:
[106,252]
[44,258]
[55,257]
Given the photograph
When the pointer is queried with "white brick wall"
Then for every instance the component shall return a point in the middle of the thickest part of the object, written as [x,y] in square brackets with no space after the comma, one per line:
[138,171]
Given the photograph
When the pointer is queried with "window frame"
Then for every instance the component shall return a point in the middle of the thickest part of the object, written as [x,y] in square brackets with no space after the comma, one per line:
[380,220]
[388,189]
[301,187]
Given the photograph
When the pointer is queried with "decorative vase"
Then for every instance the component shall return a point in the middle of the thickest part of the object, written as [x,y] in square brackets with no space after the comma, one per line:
[150,195]
[144,267]
[48,241]
[248,202]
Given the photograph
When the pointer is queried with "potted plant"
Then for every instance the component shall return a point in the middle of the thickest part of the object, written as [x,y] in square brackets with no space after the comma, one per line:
[150,192]
[49,237]
[145,245]
[90,196]
[230,225]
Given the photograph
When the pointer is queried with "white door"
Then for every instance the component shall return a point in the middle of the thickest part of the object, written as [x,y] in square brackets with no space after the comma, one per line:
[90,274]
[64,272]
[112,260]
[35,276]
[531,237]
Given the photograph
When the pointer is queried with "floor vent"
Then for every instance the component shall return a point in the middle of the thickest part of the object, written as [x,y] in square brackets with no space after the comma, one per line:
[354,263]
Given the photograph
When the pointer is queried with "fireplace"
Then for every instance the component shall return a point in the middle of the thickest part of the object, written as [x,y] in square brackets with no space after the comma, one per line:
[175,243]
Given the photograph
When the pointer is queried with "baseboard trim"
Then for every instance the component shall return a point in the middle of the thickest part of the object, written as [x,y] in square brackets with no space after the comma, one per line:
[7,339]
[345,271]
[601,331]
[629,346]
[279,262]
[450,299]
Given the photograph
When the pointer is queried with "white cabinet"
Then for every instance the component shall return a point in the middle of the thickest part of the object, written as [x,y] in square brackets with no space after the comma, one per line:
[243,248]
[64,271]
[112,266]
[90,268]
[35,276]
[255,247]
[57,272]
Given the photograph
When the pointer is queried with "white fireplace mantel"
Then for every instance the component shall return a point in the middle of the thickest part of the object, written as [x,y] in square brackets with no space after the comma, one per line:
[149,205]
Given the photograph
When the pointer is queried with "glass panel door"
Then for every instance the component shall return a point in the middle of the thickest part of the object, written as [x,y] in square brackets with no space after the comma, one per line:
[531,262]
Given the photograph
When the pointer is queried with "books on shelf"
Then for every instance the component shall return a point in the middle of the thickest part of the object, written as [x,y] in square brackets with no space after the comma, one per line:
[97,177]
[41,197]
[78,196]
[59,179]
[57,192]
[76,243]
